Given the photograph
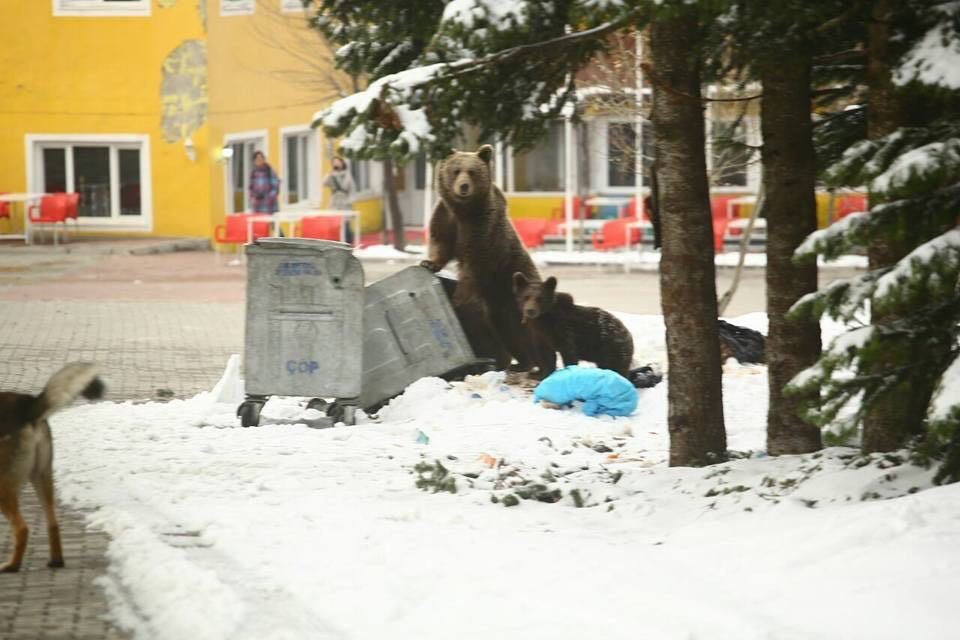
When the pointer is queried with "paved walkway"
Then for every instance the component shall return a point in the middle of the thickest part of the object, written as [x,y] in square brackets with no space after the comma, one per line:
[56,604]
[146,349]
[147,321]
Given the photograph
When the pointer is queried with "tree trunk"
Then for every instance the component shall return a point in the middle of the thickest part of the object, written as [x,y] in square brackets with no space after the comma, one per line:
[688,289]
[894,417]
[789,176]
[396,215]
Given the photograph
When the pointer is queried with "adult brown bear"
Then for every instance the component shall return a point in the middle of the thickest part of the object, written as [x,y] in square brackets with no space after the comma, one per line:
[470,224]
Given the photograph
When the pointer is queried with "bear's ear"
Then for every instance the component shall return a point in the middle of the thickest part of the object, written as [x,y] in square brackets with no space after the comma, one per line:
[486,153]
[550,284]
[519,281]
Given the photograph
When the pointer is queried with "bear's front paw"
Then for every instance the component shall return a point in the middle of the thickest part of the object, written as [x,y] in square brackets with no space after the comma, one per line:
[429,264]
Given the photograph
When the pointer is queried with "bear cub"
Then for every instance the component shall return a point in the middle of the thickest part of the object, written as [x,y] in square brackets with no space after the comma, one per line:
[554,323]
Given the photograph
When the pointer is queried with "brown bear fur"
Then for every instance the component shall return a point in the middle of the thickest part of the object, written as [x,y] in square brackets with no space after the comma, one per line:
[578,333]
[470,224]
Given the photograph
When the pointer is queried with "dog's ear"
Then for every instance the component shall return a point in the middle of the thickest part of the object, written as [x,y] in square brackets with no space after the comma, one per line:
[550,284]
[519,282]
[486,153]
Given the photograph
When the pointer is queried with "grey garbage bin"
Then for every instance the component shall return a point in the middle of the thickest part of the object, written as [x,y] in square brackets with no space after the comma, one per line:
[411,331]
[304,324]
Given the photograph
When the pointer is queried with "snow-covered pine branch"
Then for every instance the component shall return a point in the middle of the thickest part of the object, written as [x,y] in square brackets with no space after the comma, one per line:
[519,49]
[919,276]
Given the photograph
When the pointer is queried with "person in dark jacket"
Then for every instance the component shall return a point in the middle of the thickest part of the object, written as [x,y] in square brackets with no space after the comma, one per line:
[264,185]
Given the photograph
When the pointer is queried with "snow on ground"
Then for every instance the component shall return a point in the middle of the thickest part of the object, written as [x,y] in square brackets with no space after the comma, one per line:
[643,260]
[289,532]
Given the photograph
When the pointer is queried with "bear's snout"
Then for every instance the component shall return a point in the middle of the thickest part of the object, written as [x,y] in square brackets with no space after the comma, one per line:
[463,186]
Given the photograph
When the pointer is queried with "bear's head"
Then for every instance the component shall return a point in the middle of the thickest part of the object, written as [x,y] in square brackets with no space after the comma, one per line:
[534,298]
[464,177]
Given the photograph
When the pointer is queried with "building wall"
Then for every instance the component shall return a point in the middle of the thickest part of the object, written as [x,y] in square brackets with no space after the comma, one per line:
[269,71]
[182,79]
[100,75]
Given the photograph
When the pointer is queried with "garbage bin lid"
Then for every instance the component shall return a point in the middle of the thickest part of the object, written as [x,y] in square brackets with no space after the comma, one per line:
[309,244]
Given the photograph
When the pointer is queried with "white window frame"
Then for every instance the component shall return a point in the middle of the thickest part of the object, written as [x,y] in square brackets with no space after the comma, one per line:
[372,174]
[751,134]
[310,175]
[510,167]
[35,143]
[237,7]
[291,6]
[256,135]
[600,155]
[101,8]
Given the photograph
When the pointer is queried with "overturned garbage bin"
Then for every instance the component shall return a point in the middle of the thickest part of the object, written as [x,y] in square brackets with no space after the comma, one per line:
[410,332]
[304,325]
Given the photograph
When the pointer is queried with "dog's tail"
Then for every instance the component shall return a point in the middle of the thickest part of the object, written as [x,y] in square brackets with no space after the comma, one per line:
[75,379]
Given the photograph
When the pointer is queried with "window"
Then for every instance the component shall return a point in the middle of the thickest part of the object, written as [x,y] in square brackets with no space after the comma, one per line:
[621,153]
[360,170]
[299,162]
[420,172]
[237,7]
[101,7]
[111,176]
[291,6]
[238,167]
[541,168]
[729,156]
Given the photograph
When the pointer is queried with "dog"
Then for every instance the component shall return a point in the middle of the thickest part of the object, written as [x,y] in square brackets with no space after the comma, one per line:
[26,452]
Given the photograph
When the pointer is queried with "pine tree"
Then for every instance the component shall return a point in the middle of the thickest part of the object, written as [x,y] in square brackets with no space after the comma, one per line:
[907,311]
[778,44]
[687,276]
[435,67]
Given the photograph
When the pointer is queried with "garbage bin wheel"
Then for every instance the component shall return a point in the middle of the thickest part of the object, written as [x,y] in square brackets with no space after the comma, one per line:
[335,410]
[249,412]
[317,403]
[343,412]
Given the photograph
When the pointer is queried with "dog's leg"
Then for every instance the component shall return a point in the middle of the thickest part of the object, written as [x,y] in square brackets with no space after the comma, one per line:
[43,484]
[10,506]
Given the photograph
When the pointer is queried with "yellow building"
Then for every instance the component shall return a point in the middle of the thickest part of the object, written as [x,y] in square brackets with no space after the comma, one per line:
[132,102]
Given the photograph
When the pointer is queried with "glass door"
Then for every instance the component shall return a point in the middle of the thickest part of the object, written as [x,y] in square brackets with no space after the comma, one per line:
[239,166]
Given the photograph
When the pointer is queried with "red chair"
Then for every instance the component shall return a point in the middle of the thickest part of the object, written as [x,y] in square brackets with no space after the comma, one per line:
[721,219]
[5,209]
[234,230]
[531,231]
[560,213]
[73,208]
[850,204]
[51,210]
[719,231]
[321,228]
[614,234]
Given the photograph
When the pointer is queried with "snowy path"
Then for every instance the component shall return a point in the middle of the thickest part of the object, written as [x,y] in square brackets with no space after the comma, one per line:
[288,532]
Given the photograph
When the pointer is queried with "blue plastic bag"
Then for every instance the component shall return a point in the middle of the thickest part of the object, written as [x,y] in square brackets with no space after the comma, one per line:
[600,390]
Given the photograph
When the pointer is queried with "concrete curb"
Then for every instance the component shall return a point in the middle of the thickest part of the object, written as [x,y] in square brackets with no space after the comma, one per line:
[110,247]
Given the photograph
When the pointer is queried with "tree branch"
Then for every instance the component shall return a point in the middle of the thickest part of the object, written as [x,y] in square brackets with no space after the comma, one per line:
[663,84]
[500,57]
